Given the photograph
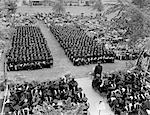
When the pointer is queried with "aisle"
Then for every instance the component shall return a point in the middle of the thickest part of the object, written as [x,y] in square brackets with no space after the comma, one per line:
[93,97]
[61,62]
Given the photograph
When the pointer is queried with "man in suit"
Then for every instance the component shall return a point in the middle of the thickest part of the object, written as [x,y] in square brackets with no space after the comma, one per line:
[98,70]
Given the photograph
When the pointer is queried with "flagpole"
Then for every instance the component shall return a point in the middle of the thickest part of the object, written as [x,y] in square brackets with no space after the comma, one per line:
[5,65]
[4,101]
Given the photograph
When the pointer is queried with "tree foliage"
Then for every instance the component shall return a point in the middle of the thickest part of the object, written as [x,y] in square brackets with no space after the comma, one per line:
[130,18]
[59,7]
[11,7]
[139,3]
[118,7]
[98,6]
[8,8]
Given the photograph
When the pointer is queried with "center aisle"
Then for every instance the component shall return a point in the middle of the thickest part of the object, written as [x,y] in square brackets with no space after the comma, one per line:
[61,62]
[93,98]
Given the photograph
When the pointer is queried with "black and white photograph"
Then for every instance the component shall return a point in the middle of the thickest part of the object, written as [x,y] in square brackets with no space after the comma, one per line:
[74,57]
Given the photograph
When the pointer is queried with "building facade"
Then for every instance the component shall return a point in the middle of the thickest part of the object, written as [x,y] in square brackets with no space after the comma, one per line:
[36,2]
[86,2]
[79,2]
[42,2]
[52,2]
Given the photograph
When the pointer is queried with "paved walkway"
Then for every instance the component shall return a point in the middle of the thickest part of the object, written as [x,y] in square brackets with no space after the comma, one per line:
[93,97]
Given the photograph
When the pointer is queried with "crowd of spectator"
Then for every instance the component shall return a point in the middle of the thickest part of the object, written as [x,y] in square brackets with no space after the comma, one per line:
[19,19]
[126,91]
[61,96]
[28,50]
[122,50]
[126,54]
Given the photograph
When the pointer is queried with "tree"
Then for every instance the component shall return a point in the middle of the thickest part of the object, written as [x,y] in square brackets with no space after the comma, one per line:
[3,11]
[11,7]
[46,2]
[139,3]
[118,7]
[59,7]
[135,18]
[2,6]
[98,6]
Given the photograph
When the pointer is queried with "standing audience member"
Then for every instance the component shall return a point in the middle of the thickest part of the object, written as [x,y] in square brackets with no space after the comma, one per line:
[98,70]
